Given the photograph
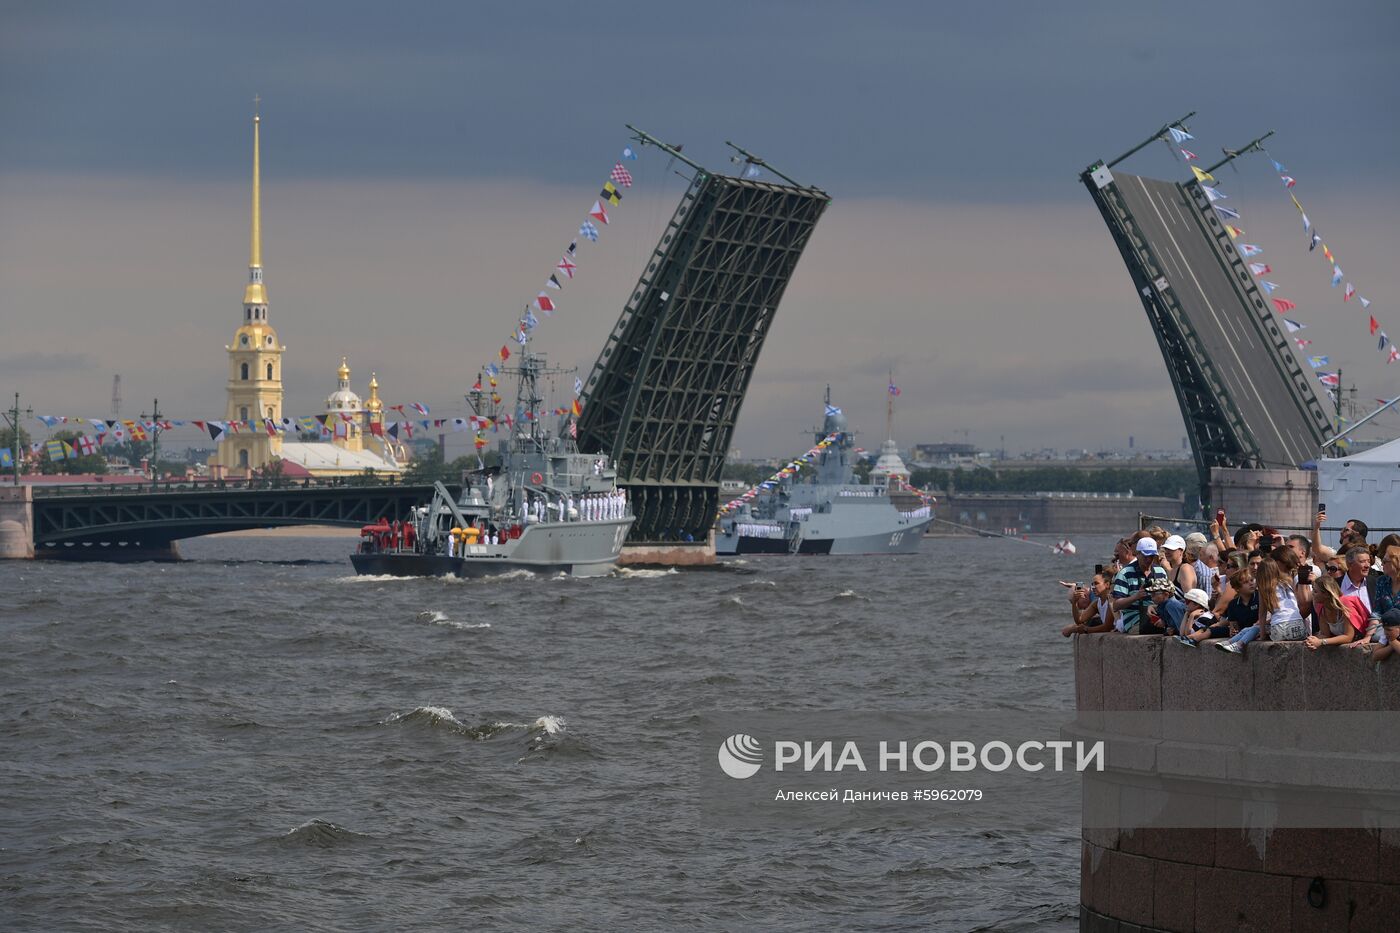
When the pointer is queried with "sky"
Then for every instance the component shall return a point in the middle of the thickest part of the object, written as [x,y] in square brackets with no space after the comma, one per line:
[425,163]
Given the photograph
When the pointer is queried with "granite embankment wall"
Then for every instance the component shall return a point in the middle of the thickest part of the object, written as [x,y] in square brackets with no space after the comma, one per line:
[1213,879]
[1056,513]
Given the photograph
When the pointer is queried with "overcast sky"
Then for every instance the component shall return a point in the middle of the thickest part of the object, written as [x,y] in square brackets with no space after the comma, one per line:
[424,163]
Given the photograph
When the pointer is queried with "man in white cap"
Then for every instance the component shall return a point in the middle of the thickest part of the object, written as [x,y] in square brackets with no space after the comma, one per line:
[1130,586]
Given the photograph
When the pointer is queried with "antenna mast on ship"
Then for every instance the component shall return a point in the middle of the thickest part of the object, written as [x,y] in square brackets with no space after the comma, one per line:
[889,406]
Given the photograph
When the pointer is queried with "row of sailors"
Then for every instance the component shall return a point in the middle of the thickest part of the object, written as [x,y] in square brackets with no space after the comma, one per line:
[921,512]
[746,530]
[871,493]
[595,507]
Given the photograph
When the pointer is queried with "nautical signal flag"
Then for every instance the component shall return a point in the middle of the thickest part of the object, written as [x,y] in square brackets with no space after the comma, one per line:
[1375,325]
[1189,155]
[1350,290]
[1235,232]
[1249,249]
[1283,304]
[6,458]
[1202,176]
[1394,355]
[598,213]
[1260,268]
[57,450]
[577,407]
[421,409]
[1317,362]
[1179,135]
[567,266]
[553,282]
[1336,276]
[627,153]
[1226,212]
[1288,181]
[587,230]
[893,389]
[505,353]
[1329,379]
[544,303]
[1268,286]
[1302,344]
[86,445]
[622,176]
[1293,326]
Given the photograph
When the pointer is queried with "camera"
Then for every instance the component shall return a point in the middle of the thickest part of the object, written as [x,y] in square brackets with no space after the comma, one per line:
[1322,507]
[1305,573]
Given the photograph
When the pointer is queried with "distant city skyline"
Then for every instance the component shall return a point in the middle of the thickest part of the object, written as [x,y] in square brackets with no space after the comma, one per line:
[421,172]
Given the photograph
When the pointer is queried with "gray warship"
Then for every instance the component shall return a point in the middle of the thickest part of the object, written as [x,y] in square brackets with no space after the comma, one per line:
[830,511]
[547,508]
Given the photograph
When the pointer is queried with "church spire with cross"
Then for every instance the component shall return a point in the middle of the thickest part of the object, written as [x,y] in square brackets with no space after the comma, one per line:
[254,387]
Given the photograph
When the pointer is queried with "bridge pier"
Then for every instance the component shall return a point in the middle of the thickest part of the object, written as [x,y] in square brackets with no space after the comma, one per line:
[16,523]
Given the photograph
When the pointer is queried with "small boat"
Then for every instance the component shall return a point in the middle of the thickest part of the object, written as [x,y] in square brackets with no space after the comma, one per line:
[548,508]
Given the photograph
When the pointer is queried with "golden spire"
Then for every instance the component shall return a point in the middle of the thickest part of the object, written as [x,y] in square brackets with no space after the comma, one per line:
[374,404]
[255,293]
[344,371]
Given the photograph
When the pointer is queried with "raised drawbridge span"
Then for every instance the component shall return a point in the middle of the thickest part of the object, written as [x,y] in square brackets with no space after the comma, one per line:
[1245,398]
[666,390]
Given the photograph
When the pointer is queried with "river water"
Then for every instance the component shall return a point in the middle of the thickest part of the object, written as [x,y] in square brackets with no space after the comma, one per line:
[256,739]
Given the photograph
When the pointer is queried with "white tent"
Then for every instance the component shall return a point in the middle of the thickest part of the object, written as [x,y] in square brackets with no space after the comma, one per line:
[1364,486]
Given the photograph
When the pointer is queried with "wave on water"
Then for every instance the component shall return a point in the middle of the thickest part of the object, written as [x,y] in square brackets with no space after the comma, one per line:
[849,594]
[643,573]
[320,834]
[436,617]
[440,717]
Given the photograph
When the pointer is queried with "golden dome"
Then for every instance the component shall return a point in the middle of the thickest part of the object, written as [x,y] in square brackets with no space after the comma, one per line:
[344,371]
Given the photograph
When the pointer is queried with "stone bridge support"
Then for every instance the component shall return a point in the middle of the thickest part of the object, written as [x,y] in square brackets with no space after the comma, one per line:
[16,523]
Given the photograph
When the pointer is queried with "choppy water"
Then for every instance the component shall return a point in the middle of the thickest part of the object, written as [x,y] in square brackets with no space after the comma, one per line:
[258,740]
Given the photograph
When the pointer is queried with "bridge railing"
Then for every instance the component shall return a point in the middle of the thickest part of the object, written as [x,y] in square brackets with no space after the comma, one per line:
[207,486]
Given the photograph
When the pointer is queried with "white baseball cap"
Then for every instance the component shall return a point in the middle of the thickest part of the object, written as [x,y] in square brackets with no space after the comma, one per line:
[1198,597]
[1174,543]
[1147,546]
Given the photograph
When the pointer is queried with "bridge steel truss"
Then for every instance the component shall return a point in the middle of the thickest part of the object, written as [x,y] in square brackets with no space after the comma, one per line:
[65,519]
[1220,430]
[665,392]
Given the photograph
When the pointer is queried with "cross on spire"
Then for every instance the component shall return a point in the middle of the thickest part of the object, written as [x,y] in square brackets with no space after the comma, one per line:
[256,101]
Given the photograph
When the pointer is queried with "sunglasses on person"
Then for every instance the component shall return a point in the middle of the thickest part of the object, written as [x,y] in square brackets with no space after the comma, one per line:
[1331,569]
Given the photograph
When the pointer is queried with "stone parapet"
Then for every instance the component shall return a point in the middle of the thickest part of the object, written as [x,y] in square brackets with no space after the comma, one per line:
[1183,880]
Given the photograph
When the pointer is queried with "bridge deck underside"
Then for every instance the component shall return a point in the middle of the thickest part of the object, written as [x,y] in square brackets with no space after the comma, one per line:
[666,391]
[1236,327]
[156,519]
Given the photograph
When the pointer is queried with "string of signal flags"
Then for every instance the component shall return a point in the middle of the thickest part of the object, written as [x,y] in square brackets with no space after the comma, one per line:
[1261,269]
[546,302]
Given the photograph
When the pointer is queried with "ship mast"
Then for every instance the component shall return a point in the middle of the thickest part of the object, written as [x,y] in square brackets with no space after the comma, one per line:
[889,407]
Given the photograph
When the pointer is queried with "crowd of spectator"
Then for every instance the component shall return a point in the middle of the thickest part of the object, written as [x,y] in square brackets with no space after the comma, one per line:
[1229,590]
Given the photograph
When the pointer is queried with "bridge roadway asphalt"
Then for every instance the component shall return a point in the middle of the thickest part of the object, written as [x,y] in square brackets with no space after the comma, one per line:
[1262,392]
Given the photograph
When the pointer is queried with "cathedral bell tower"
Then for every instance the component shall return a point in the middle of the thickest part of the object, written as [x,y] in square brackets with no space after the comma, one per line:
[255,365]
